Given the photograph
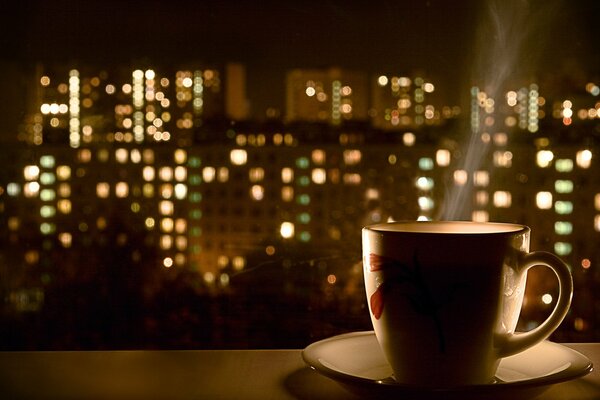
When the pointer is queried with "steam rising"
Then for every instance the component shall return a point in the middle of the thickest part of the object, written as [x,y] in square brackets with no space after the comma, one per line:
[509,39]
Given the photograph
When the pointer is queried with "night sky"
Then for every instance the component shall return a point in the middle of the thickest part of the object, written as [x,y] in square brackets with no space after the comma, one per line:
[441,37]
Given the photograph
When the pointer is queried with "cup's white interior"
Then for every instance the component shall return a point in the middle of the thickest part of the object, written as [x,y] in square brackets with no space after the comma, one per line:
[447,227]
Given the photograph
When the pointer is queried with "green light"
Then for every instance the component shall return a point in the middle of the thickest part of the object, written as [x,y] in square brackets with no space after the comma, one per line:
[426,163]
[563,186]
[304,236]
[195,179]
[563,228]
[304,218]
[194,162]
[195,197]
[564,165]
[303,199]
[302,162]
[196,214]
[563,248]
[47,161]
[563,207]
[303,181]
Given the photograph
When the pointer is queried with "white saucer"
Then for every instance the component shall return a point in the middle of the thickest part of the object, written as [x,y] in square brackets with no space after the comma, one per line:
[356,361]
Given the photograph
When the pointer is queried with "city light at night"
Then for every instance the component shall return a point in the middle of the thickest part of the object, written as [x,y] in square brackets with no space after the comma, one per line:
[171,201]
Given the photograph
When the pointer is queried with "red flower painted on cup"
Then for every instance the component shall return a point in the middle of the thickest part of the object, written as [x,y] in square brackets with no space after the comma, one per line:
[408,280]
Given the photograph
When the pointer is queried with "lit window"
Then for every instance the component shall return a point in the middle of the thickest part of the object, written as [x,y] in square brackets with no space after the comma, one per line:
[256,174]
[47,178]
[302,162]
[166,173]
[166,225]
[136,156]
[47,194]
[584,158]
[563,186]
[597,201]
[481,178]
[257,192]
[193,162]
[425,203]
[121,155]
[287,175]
[319,176]
[480,216]
[238,263]
[318,156]
[64,206]
[166,207]
[481,198]
[409,139]
[460,177]
[503,159]
[148,156]
[287,193]
[426,163]
[66,239]
[544,158]
[502,199]
[303,180]
[31,172]
[47,211]
[148,190]
[352,179]
[122,189]
[303,218]
[102,190]
[47,161]
[563,207]
[31,189]
[238,156]
[563,228]
[424,183]
[562,248]
[180,191]
[63,172]
[286,230]
[303,199]
[208,174]
[47,228]
[442,157]
[564,165]
[13,189]
[180,173]
[352,157]
[180,156]
[304,236]
[148,173]
[64,190]
[543,200]
[223,174]
[597,223]
[166,242]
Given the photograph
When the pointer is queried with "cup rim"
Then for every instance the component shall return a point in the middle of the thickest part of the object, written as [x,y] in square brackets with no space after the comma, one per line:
[447,228]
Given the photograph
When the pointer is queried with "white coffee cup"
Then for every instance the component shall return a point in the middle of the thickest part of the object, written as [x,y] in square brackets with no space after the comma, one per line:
[444,297]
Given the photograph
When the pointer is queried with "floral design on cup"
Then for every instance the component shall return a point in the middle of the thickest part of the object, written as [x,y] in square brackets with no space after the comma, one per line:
[418,293]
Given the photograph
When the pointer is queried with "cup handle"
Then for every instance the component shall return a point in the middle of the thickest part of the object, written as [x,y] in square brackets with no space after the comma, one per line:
[517,342]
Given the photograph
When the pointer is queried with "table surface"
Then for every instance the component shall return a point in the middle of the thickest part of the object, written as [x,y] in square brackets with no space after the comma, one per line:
[200,374]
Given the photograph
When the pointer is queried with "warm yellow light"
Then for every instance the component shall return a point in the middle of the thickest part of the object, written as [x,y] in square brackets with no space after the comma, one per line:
[238,156]
[287,230]
[543,200]
[544,158]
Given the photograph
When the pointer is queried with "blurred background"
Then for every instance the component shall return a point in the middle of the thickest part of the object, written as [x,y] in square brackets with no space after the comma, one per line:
[195,174]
